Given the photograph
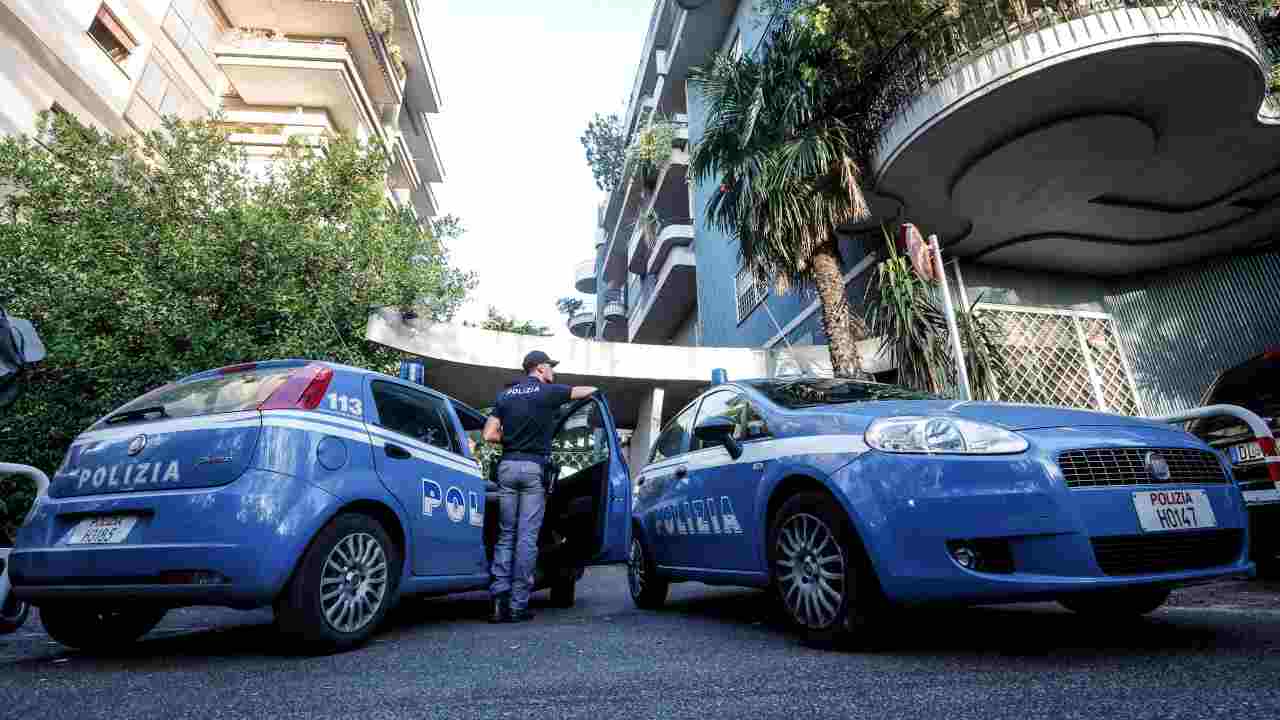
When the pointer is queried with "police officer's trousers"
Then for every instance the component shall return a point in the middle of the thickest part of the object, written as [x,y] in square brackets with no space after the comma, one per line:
[521,503]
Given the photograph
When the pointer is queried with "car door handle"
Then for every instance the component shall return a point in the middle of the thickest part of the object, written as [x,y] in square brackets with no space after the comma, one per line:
[397,452]
[682,471]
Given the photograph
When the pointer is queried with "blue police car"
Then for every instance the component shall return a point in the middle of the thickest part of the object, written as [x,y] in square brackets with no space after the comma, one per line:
[323,490]
[847,497]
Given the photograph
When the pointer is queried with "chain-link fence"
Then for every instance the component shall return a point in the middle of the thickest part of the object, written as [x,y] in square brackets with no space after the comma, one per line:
[1065,358]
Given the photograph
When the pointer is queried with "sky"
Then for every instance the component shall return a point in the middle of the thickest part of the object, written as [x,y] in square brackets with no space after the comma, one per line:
[519,82]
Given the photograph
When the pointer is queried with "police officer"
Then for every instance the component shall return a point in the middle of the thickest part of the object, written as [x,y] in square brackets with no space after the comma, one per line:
[523,420]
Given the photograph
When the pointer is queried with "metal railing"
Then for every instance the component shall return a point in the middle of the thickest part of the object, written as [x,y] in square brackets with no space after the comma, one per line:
[1261,432]
[942,43]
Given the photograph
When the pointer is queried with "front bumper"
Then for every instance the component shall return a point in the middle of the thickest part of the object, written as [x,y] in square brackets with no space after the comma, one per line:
[243,539]
[1057,540]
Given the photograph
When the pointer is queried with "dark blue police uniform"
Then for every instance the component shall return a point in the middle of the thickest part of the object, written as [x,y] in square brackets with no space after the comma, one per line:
[527,411]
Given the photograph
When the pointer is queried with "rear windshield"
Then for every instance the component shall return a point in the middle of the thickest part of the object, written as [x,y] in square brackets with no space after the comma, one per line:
[241,390]
[825,391]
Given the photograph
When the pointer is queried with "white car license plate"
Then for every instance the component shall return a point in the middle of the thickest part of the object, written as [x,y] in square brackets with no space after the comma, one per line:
[104,530]
[1160,510]
[1246,452]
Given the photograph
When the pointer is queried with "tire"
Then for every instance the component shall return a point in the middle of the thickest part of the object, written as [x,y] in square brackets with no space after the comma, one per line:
[342,588]
[1116,603]
[819,573]
[87,628]
[564,591]
[648,589]
[13,615]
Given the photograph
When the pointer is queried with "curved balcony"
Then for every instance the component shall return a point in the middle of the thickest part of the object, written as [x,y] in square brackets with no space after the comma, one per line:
[614,314]
[1053,135]
[583,323]
[672,236]
[584,277]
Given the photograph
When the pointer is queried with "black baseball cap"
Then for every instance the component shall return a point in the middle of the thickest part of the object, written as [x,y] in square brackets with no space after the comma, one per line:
[536,358]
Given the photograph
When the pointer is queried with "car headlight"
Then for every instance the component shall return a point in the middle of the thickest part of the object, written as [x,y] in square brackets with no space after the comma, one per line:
[945,435]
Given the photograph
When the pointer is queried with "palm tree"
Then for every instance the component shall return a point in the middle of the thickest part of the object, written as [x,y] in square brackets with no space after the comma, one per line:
[787,170]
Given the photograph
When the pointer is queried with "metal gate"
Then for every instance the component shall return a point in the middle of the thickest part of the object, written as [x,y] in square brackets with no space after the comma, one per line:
[1070,358]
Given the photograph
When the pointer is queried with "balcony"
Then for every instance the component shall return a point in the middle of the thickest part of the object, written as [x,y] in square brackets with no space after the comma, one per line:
[667,199]
[421,90]
[350,20]
[1054,139]
[584,277]
[403,172]
[583,323]
[671,237]
[274,72]
[614,314]
[666,296]
[415,128]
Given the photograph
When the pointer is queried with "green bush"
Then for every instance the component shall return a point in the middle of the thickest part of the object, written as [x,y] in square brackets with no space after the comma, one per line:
[143,259]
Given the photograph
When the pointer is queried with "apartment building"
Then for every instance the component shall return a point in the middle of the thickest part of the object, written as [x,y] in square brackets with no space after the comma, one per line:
[1119,226]
[273,69]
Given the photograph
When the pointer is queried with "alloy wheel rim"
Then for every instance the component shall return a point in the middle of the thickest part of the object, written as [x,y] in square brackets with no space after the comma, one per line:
[635,569]
[354,582]
[810,570]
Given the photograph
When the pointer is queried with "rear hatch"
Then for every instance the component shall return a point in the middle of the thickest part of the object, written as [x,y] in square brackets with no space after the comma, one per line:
[198,432]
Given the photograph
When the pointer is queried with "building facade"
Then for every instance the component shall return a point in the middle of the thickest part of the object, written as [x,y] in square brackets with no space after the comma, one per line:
[274,70]
[1119,227]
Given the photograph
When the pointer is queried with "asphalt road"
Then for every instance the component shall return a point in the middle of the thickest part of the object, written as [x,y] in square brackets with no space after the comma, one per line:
[713,652]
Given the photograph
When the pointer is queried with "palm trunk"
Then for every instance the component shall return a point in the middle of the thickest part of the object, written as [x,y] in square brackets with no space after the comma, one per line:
[844,330]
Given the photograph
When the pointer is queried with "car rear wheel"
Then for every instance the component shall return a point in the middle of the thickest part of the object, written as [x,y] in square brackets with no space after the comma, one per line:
[98,629]
[648,590]
[343,586]
[818,573]
[1114,603]
[13,614]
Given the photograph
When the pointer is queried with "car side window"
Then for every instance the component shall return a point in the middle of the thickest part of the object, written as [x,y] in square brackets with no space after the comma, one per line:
[417,415]
[671,441]
[748,423]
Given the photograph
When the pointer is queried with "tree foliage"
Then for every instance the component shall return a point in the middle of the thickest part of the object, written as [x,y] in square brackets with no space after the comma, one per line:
[605,143]
[144,259]
[906,311]
[508,323]
[569,306]
[786,165]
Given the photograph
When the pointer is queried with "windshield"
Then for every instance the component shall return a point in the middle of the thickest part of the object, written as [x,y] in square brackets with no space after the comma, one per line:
[808,392]
[233,392]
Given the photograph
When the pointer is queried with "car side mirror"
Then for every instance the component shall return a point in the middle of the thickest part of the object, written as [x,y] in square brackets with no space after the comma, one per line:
[719,431]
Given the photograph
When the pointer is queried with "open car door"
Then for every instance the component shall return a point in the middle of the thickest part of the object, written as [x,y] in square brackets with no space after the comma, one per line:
[591,502]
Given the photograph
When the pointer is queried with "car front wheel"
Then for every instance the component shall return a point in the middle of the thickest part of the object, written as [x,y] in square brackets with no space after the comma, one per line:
[342,588]
[817,572]
[98,629]
[1116,603]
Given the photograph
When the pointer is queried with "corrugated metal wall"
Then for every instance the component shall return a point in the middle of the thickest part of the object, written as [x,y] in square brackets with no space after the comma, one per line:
[1181,327]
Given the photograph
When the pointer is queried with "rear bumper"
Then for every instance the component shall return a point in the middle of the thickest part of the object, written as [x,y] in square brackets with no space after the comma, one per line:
[246,535]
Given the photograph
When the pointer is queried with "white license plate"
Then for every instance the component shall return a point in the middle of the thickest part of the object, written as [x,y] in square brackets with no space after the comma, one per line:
[103,530]
[1246,452]
[1161,510]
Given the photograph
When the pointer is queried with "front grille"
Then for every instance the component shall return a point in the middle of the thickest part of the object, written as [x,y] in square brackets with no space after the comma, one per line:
[1104,467]
[1168,552]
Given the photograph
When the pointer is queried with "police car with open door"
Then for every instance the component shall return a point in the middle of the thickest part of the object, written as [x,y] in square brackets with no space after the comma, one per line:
[323,490]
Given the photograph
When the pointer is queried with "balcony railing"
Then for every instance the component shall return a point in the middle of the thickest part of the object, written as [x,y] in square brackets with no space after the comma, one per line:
[615,304]
[584,277]
[943,44]
[583,322]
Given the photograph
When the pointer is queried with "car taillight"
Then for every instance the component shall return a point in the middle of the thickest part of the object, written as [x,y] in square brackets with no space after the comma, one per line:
[303,390]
